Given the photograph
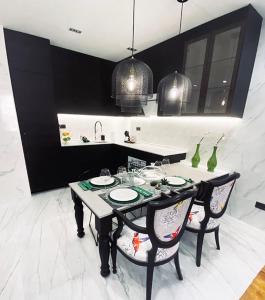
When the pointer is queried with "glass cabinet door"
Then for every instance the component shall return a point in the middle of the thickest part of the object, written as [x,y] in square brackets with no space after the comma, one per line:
[221,71]
[193,69]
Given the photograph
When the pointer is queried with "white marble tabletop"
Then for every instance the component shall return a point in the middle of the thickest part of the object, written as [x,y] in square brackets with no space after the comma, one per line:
[102,209]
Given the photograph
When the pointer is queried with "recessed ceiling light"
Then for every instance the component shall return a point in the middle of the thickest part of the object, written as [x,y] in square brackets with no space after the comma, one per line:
[75,30]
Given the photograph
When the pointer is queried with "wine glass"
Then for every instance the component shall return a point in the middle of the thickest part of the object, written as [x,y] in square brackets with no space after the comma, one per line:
[158,163]
[105,174]
[165,165]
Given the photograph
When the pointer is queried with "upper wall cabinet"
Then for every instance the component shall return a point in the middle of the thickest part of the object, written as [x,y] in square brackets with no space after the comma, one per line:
[219,58]
[82,83]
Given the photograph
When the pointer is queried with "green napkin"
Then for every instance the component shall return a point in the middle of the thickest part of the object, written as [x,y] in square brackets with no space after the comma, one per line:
[142,191]
[85,185]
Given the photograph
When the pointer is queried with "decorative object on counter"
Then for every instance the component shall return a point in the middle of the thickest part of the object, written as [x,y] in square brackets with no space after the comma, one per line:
[212,162]
[174,89]
[128,139]
[95,129]
[84,139]
[66,137]
[132,81]
[196,157]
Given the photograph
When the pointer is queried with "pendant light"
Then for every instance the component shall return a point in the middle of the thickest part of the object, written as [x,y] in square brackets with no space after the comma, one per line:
[132,80]
[174,89]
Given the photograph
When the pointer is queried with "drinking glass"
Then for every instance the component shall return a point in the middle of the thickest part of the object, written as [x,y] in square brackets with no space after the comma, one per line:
[165,165]
[121,173]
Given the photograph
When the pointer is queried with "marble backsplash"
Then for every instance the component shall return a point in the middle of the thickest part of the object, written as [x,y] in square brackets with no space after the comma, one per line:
[83,125]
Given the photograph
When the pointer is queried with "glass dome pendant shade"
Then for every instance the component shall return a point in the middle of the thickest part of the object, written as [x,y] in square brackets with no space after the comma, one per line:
[132,82]
[174,89]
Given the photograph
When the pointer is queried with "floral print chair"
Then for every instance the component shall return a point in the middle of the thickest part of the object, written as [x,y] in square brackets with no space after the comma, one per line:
[210,205]
[153,240]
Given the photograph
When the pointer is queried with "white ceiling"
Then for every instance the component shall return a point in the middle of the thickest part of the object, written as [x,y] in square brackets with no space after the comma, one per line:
[106,24]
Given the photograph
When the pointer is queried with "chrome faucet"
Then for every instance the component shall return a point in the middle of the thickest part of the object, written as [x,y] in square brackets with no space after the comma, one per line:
[95,128]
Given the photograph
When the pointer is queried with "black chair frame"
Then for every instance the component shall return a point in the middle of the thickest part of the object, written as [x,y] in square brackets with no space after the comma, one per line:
[152,207]
[204,199]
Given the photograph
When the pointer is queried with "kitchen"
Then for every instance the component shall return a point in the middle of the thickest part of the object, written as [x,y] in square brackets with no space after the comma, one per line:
[47,84]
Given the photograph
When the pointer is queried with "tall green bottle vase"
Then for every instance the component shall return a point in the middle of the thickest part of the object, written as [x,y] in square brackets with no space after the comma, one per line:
[212,162]
[196,157]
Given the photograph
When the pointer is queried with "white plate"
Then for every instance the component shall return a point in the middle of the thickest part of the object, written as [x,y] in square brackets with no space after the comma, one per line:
[123,195]
[175,181]
[102,180]
[151,175]
[139,181]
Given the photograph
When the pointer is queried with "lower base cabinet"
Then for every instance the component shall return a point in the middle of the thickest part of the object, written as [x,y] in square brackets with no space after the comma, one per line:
[83,162]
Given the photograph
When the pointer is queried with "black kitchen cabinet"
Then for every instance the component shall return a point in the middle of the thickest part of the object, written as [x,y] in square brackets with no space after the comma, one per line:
[82,83]
[31,77]
[217,56]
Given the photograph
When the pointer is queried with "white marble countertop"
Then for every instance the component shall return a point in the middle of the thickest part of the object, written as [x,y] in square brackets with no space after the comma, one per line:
[102,209]
[155,149]
[74,143]
[151,148]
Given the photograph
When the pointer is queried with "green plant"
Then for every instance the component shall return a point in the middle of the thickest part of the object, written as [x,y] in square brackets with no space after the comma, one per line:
[164,181]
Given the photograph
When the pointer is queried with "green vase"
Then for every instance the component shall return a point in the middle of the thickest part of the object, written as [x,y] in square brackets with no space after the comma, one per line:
[212,162]
[196,157]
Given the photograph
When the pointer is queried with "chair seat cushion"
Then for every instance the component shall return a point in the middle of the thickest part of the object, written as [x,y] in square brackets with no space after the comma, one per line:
[136,245]
[197,215]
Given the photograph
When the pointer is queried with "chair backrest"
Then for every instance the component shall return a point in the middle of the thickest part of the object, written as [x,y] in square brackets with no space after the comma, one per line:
[216,194]
[166,219]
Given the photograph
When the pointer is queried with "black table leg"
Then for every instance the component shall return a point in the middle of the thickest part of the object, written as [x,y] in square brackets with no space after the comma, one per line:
[79,214]
[104,227]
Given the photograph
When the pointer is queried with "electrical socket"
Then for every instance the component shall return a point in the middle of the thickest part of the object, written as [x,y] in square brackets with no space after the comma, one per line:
[138,128]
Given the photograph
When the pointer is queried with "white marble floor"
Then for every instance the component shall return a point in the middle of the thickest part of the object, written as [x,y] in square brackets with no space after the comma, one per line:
[42,258]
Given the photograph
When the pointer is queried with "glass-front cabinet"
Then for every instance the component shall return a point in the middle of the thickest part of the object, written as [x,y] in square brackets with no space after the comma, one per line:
[210,62]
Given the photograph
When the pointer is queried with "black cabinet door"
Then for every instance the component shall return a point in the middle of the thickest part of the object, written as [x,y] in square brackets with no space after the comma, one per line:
[27,52]
[39,129]
[82,83]
[223,69]
[194,68]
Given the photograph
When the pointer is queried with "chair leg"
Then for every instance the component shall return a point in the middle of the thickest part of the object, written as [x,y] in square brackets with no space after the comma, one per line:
[200,238]
[216,234]
[114,256]
[176,260]
[149,275]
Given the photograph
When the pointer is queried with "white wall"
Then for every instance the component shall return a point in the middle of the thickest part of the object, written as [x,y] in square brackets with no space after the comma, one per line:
[243,149]
[13,175]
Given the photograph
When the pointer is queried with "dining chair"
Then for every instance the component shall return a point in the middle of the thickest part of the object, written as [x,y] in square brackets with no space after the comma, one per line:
[209,206]
[153,240]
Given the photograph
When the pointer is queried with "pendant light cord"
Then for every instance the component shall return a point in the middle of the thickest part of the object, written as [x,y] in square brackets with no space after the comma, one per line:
[181,14]
[133,28]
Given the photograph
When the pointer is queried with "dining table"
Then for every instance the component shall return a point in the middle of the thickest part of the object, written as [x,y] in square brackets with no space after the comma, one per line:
[103,210]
